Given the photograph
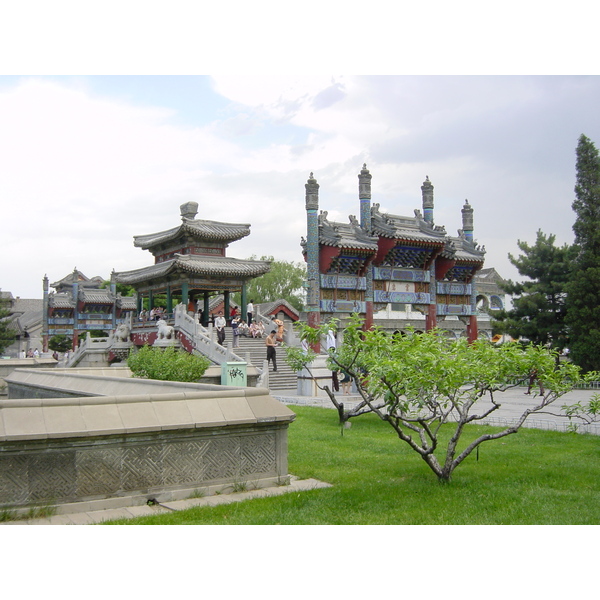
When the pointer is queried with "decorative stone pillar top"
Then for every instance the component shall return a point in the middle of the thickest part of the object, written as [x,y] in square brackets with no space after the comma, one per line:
[427,191]
[364,183]
[467,216]
[189,210]
[312,193]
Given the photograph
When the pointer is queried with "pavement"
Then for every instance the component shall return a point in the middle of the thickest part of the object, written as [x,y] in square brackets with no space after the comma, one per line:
[127,512]
[513,403]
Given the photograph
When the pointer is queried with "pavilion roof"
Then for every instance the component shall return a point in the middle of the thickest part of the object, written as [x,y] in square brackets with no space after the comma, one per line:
[466,251]
[213,231]
[345,235]
[77,277]
[61,300]
[96,296]
[412,229]
[197,265]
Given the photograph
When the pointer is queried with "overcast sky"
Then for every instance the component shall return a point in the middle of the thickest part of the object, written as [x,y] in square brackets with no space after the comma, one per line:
[88,162]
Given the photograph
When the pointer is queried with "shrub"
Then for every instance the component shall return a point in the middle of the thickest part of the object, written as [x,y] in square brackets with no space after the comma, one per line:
[167,364]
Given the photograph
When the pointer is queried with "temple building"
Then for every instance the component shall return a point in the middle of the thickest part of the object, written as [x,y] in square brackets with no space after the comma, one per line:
[385,260]
[80,305]
[191,265]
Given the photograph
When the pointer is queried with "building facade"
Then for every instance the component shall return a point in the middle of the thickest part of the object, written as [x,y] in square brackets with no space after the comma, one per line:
[80,305]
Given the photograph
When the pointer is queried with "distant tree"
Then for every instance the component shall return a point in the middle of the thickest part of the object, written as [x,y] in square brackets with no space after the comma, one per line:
[7,333]
[284,280]
[60,343]
[124,290]
[583,307]
[539,303]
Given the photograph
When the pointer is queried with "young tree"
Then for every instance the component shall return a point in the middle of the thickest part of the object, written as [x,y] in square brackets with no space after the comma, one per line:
[429,388]
[284,280]
[539,304]
[583,290]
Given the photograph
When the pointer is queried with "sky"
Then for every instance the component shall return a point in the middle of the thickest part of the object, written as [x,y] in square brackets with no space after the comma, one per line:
[88,162]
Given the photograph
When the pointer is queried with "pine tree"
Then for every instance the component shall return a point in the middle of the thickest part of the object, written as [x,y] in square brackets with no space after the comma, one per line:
[583,299]
[539,303]
[7,334]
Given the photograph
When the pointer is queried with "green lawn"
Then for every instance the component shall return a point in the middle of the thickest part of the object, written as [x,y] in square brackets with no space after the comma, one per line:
[533,477]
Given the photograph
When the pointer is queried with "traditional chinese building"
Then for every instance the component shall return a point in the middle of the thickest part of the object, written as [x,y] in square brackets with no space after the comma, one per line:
[191,264]
[384,259]
[79,305]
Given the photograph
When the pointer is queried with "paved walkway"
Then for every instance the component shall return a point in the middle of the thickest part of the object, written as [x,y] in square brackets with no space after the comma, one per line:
[128,512]
[513,403]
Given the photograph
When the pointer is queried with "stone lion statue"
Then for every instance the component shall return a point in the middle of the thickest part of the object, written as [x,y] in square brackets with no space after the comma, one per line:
[165,332]
[122,333]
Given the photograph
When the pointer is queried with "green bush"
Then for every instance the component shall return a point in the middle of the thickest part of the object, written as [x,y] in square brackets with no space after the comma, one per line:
[167,364]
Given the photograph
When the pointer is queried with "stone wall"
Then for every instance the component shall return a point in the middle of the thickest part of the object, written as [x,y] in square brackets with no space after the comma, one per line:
[139,444]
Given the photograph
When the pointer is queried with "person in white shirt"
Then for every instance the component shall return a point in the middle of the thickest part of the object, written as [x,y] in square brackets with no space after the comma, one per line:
[220,325]
[250,311]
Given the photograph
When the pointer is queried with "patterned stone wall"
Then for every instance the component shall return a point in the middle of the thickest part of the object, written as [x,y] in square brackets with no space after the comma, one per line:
[74,470]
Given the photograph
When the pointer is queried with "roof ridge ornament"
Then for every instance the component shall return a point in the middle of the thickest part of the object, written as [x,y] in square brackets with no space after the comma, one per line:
[189,210]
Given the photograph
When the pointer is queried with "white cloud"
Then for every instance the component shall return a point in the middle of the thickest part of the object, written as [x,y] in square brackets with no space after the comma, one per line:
[81,173]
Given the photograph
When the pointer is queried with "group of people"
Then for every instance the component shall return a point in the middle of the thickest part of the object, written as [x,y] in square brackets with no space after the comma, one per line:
[31,353]
[154,314]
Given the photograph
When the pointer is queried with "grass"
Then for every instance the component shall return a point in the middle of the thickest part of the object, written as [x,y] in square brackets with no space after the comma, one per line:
[533,477]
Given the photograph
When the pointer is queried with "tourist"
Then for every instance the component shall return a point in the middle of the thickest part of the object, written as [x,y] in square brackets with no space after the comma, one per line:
[220,325]
[271,343]
[235,328]
[191,308]
[346,383]
[243,328]
[331,340]
[250,311]
[36,353]
[275,322]
[260,329]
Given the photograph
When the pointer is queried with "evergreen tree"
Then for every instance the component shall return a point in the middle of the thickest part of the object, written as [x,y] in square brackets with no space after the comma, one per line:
[7,334]
[539,304]
[583,307]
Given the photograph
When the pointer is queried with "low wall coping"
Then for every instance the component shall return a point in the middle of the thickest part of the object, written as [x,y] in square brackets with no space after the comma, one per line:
[140,405]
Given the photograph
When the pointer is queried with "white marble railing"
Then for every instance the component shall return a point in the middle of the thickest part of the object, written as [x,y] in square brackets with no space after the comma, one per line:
[87,344]
[203,339]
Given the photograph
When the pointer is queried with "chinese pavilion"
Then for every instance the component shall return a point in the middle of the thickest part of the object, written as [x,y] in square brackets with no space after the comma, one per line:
[362,266]
[190,264]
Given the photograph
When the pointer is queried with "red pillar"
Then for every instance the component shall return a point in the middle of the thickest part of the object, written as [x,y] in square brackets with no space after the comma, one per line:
[472,330]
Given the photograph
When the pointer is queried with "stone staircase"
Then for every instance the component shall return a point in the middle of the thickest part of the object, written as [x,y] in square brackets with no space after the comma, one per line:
[284,378]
